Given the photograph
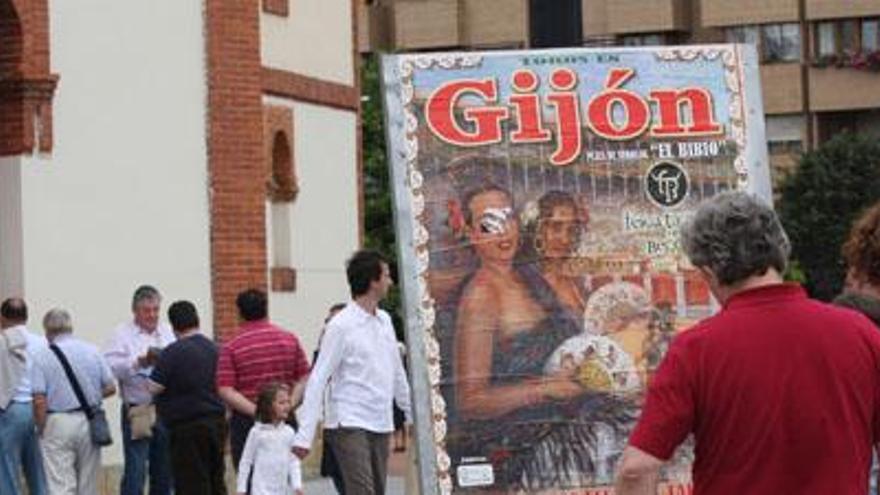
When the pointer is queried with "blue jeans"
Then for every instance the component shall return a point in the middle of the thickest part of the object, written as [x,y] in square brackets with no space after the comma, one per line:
[20,449]
[139,454]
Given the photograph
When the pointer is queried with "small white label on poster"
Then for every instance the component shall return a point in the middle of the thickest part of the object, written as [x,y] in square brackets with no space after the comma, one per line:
[475,475]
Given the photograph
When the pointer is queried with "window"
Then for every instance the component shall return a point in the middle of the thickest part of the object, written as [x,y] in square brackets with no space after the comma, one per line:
[555,24]
[644,40]
[847,37]
[774,42]
[825,34]
[742,34]
[781,43]
[871,35]
[785,134]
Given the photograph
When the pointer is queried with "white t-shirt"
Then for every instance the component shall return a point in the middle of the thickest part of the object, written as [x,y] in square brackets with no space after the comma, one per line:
[268,453]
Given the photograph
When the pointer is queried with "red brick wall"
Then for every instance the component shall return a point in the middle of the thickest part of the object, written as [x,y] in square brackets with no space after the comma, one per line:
[235,156]
[26,87]
[277,7]
[310,89]
[282,184]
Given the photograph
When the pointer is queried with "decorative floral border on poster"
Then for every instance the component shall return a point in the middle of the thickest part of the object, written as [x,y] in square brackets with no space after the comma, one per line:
[426,309]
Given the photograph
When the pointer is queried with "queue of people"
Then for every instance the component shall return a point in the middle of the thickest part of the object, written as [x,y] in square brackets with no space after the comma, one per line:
[178,387]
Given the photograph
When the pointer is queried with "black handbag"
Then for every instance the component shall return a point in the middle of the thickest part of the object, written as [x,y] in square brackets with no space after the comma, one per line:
[99,428]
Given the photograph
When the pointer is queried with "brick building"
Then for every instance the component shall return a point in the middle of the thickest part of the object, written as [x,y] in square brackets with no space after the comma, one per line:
[820,58]
[204,147]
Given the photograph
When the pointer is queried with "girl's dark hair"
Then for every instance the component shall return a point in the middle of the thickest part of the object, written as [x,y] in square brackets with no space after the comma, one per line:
[266,398]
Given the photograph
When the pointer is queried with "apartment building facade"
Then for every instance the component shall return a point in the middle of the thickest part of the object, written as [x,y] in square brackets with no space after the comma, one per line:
[820,69]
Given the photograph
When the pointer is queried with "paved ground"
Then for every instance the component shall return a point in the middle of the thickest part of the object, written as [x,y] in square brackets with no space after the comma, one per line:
[396,478]
[323,486]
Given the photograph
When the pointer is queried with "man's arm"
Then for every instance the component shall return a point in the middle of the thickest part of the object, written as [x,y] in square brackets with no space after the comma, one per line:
[117,355]
[226,380]
[155,388]
[40,412]
[160,375]
[311,411]
[298,391]
[637,474]
[108,388]
[236,401]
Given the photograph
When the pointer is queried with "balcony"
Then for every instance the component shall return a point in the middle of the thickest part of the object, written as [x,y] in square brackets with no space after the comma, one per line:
[719,13]
[648,16]
[835,9]
[425,25]
[595,17]
[494,23]
[604,17]
[833,89]
[782,88]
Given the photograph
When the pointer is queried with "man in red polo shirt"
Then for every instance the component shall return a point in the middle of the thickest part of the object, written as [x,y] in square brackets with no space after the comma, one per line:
[781,393]
[261,353]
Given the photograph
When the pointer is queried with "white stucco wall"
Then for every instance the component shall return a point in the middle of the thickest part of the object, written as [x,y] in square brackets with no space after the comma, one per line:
[11,249]
[123,199]
[323,221]
[315,39]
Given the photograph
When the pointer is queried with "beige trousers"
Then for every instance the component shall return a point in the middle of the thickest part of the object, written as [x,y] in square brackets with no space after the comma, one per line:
[71,459]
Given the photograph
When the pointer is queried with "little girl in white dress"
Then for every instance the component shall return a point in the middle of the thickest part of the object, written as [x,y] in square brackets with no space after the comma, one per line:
[267,459]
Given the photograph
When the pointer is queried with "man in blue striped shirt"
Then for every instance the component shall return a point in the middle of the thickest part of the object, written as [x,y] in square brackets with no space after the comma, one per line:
[71,459]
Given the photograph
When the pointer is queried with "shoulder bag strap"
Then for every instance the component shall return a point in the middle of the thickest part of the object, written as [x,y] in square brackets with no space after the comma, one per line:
[77,390]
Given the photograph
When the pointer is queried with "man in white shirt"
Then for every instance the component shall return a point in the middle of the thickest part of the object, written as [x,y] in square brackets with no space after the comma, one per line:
[19,446]
[131,354]
[360,362]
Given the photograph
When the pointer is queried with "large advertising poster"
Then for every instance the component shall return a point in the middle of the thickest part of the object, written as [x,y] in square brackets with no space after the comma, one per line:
[538,199]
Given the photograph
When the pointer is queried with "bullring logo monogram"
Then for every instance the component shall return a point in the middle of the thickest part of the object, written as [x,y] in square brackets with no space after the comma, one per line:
[666,184]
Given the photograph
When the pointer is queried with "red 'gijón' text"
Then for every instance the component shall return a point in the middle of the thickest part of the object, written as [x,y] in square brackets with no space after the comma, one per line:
[482,124]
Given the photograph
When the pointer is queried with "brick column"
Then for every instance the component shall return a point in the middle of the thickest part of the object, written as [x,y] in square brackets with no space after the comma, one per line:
[235,156]
[26,86]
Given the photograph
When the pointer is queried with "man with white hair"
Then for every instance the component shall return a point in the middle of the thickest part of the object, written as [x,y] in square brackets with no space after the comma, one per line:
[72,460]
[781,393]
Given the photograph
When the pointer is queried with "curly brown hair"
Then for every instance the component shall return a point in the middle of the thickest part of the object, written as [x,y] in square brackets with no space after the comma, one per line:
[861,251]
[266,398]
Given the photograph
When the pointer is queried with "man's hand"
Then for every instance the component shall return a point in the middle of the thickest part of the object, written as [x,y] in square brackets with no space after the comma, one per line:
[638,473]
[144,361]
[300,452]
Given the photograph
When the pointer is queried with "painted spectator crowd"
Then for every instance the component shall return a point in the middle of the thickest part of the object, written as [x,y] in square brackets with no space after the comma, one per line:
[183,397]
[780,392]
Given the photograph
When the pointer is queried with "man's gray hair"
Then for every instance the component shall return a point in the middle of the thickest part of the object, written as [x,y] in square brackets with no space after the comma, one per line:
[736,235]
[57,321]
[144,293]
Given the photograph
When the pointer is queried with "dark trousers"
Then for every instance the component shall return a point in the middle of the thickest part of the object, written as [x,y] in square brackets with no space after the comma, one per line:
[197,456]
[239,427]
[363,459]
[330,467]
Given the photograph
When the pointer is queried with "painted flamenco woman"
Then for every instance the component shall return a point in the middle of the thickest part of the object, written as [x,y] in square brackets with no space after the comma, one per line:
[537,430]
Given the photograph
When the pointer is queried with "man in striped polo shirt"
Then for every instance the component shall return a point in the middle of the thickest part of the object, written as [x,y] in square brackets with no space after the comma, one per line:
[261,353]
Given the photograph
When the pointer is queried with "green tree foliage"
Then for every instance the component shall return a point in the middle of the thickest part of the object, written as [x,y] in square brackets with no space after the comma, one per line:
[379,231]
[819,202]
